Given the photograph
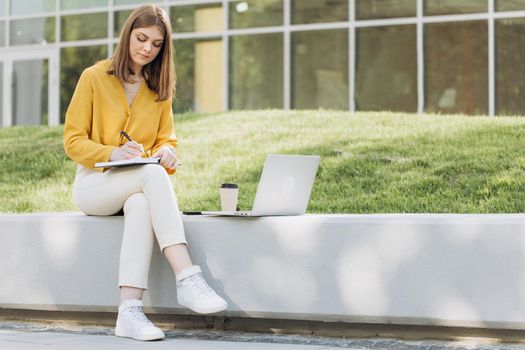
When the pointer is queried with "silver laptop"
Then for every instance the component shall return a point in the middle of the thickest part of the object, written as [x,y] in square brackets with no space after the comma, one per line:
[284,188]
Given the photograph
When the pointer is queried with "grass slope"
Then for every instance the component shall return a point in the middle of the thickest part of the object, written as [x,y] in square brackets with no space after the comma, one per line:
[371,162]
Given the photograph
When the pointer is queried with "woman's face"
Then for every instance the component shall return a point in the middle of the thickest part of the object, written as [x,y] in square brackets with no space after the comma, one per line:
[144,45]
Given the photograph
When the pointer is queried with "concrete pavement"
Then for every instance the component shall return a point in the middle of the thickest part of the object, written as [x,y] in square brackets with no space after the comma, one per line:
[15,340]
[15,336]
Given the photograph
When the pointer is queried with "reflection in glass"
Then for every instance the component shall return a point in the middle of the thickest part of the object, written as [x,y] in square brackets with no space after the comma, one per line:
[319,11]
[30,78]
[32,31]
[86,26]
[25,7]
[371,9]
[197,18]
[510,77]
[120,18]
[510,5]
[256,13]
[81,4]
[456,67]
[320,69]
[386,71]
[73,60]
[185,69]
[200,79]
[449,7]
[256,71]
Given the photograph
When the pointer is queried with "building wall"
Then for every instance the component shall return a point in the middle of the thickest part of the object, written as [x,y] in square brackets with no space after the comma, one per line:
[439,56]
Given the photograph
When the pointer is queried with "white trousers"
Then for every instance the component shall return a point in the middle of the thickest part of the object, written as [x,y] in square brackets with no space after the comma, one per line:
[150,210]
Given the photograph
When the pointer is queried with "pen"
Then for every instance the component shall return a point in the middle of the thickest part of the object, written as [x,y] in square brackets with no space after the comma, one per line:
[123,133]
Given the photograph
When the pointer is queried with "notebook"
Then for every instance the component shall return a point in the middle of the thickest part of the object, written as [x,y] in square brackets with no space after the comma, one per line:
[284,187]
[127,162]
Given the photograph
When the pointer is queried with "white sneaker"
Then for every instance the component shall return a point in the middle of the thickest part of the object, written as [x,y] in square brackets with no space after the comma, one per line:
[132,323]
[194,293]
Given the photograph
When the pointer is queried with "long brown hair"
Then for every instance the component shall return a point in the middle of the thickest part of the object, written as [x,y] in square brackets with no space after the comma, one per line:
[158,74]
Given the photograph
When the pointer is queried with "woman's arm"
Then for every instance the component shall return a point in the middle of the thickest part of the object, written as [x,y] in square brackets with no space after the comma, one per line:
[166,142]
[77,128]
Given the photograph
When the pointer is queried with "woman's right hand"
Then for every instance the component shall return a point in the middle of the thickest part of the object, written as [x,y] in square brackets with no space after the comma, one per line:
[130,149]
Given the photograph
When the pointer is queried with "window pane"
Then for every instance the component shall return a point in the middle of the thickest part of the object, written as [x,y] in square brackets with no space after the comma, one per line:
[73,60]
[456,67]
[510,5]
[2,8]
[510,79]
[120,18]
[185,68]
[30,78]
[2,34]
[126,2]
[1,93]
[24,7]
[319,11]
[86,26]
[370,9]
[198,18]
[200,77]
[386,77]
[256,71]
[319,79]
[252,13]
[446,7]
[32,31]
[81,4]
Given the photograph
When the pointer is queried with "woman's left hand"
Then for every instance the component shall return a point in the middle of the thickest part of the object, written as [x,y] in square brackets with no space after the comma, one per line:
[168,157]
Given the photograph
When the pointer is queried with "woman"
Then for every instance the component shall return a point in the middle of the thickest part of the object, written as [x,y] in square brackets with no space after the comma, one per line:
[133,92]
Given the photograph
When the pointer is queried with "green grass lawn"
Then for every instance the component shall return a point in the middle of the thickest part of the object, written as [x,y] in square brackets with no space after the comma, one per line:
[370,162]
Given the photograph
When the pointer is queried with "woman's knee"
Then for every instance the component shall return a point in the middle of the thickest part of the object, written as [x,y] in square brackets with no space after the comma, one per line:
[154,171]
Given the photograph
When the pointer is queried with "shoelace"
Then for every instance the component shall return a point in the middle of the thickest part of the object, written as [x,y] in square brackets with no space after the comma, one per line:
[202,288]
[138,315]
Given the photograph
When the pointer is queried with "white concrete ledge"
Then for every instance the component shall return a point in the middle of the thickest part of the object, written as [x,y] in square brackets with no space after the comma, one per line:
[453,270]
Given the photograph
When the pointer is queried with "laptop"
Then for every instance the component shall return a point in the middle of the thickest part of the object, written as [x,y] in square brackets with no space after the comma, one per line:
[284,188]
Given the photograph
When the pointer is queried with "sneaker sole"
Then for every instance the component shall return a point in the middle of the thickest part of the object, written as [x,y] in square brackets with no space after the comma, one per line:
[121,333]
[205,310]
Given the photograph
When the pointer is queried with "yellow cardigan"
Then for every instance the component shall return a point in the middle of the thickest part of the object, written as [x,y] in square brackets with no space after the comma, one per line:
[99,110]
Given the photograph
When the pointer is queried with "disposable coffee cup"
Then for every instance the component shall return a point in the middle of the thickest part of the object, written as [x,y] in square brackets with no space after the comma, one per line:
[229,194]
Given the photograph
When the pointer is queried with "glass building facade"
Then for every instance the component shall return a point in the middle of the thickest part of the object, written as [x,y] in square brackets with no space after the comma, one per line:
[442,56]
